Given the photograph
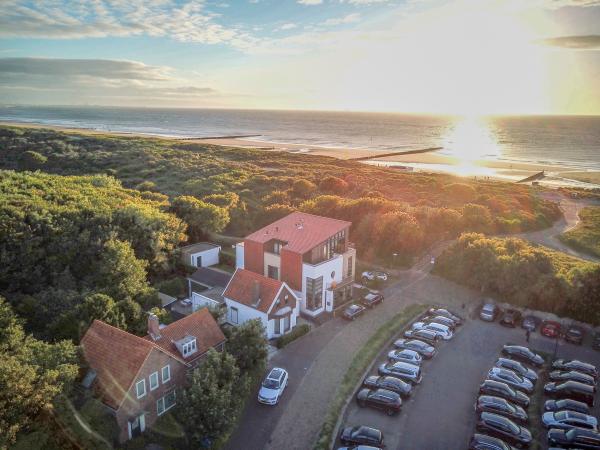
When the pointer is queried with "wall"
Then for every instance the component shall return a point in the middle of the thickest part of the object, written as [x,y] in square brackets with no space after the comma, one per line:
[239,255]
[292,303]
[210,257]
[325,270]
[291,269]
[254,256]
[200,301]
[132,406]
[245,313]
[271,259]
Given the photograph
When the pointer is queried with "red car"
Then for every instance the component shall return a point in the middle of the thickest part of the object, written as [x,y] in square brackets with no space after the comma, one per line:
[550,328]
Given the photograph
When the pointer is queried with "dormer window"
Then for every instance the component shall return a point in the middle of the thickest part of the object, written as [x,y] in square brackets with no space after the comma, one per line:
[188,346]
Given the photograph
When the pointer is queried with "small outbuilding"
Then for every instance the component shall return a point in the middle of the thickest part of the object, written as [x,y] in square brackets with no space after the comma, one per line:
[202,254]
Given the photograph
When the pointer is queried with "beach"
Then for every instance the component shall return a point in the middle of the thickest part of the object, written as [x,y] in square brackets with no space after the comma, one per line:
[557,175]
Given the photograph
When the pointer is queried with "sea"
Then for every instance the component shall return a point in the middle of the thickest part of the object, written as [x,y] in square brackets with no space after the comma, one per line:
[572,142]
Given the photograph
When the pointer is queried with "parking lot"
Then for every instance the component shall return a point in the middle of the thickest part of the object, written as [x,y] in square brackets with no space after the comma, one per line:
[440,413]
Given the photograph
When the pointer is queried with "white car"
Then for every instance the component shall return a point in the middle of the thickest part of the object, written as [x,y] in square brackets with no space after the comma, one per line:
[440,330]
[374,275]
[273,386]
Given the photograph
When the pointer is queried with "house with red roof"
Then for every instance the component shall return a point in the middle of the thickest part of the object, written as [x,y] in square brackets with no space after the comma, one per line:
[137,377]
[311,254]
[250,295]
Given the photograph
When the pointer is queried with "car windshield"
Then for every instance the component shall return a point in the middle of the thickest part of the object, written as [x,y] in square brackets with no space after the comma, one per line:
[353,308]
[575,331]
[512,426]
[271,384]
[488,308]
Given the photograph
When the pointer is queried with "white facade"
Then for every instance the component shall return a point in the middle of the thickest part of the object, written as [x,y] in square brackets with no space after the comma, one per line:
[205,258]
[239,255]
[332,271]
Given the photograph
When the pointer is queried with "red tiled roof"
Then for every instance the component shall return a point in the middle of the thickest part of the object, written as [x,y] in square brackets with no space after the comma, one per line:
[116,356]
[301,231]
[241,288]
[200,324]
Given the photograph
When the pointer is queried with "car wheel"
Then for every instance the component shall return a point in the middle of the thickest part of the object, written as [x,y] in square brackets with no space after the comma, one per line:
[390,412]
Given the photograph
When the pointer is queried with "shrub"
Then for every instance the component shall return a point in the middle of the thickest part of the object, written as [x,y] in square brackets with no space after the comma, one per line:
[298,331]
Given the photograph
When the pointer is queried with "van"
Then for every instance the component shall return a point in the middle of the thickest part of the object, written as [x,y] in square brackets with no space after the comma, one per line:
[573,390]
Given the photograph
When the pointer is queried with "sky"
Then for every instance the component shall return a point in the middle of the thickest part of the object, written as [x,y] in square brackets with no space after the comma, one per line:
[430,56]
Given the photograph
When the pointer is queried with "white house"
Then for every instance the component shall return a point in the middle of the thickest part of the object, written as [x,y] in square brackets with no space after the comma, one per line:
[250,295]
[202,254]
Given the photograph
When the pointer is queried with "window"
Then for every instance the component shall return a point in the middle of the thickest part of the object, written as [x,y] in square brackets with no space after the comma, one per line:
[189,348]
[277,328]
[349,273]
[166,373]
[165,403]
[140,388]
[277,248]
[314,293]
[234,315]
[273,272]
[153,381]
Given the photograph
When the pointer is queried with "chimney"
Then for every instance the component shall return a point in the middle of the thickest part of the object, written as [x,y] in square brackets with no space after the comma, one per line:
[256,292]
[153,327]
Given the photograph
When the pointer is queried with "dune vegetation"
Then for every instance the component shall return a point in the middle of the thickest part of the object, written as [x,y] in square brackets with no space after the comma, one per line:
[586,235]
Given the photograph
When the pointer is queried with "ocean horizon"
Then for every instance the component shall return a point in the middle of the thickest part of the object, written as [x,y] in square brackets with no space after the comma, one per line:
[568,141]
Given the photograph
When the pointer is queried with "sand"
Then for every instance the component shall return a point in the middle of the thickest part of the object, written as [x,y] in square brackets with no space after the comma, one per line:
[426,162]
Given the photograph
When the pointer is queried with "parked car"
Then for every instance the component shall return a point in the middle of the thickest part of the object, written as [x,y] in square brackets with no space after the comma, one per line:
[573,375]
[441,320]
[566,404]
[374,275]
[596,341]
[488,312]
[499,405]
[428,336]
[566,420]
[574,438]
[574,334]
[500,389]
[442,331]
[372,299]
[360,447]
[517,367]
[402,370]
[382,399]
[409,356]
[511,378]
[550,328]
[485,442]
[446,313]
[361,435]
[273,386]
[353,311]
[575,364]
[501,427]
[571,389]
[393,384]
[510,318]
[423,348]
[520,353]
[530,322]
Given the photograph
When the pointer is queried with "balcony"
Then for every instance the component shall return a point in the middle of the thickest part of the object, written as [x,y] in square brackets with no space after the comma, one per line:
[334,286]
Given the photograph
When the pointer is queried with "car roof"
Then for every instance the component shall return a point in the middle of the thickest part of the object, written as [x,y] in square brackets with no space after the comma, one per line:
[276,373]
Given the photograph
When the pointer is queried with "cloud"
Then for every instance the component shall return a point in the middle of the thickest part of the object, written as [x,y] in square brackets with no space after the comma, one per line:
[350,18]
[186,21]
[287,26]
[364,2]
[587,42]
[310,2]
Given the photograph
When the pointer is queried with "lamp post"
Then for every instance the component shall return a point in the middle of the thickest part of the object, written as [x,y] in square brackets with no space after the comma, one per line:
[395,255]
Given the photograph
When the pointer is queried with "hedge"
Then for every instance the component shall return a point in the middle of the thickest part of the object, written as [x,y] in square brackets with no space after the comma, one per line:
[298,331]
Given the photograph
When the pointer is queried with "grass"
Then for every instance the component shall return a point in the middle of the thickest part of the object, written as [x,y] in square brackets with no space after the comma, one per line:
[536,406]
[586,235]
[362,359]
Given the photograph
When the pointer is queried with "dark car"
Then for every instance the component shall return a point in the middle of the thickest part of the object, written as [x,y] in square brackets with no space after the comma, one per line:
[446,313]
[574,364]
[511,378]
[596,341]
[440,320]
[571,389]
[523,354]
[503,428]
[405,371]
[485,442]
[574,334]
[499,389]
[360,447]
[353,311]
[406,355]
[550,328]
[390,383]
[566,404]
[382,399]
[558,375]
[574,438]
[431,337]
[423,348]
[510,318]
[530,323]
[517,367]
[361,435]
[372,299]
[498,405]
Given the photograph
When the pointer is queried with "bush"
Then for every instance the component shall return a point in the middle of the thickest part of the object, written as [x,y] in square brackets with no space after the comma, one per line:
[298,331]
[175,287]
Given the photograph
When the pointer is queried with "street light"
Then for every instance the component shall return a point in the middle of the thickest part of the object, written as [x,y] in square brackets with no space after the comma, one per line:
[395,255]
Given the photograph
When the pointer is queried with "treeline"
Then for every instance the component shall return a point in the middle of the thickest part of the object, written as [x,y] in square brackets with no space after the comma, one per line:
[524,275]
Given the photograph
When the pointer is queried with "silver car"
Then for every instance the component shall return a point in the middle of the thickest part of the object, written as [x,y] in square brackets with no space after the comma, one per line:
[406,355]
[565,420]
[511,378]
[489,311]
[440,330]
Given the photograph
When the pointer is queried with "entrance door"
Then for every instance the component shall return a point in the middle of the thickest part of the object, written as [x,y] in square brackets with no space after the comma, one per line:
[137,426]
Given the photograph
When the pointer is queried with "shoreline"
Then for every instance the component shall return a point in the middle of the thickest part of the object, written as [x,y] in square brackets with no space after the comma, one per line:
[504,170]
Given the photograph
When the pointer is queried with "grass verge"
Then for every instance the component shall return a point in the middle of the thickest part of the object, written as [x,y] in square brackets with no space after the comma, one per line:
[585,236]
[359,365]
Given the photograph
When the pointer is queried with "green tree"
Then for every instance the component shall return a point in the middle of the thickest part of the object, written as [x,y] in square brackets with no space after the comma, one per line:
[206,408]
[31,160]
[477,218]
[248,345]
[101,307]
[201,217]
